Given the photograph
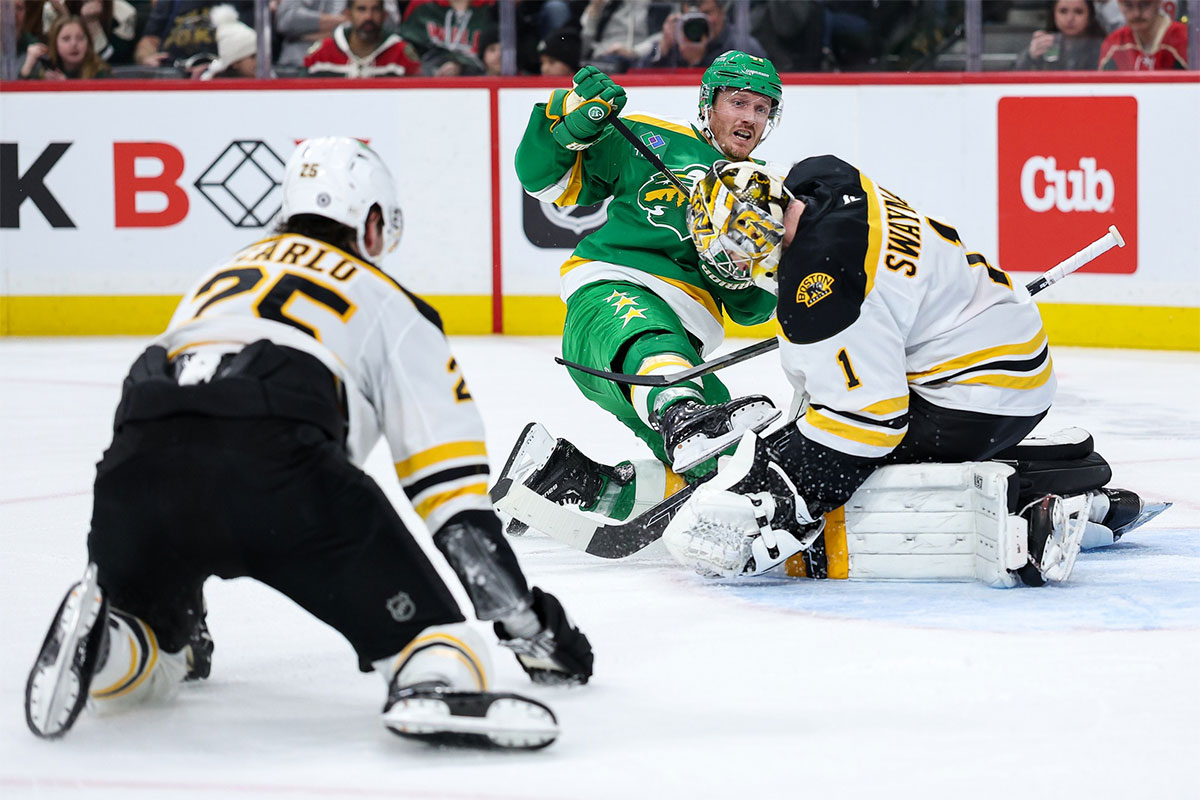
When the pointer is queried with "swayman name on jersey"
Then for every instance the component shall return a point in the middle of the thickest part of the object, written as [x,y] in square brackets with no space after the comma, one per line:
[877,300]
[382,342]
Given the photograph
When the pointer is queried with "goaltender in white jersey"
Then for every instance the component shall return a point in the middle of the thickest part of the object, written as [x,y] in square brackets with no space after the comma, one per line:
[904,348]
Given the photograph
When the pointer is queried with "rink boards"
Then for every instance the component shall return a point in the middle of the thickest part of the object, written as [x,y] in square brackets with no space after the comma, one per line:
[103,224]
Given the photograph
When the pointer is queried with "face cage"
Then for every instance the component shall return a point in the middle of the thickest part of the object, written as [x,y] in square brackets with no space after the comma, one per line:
[708,96]
[729,258]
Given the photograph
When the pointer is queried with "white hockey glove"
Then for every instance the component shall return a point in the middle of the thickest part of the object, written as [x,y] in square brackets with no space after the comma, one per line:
[557,652]
[746,520]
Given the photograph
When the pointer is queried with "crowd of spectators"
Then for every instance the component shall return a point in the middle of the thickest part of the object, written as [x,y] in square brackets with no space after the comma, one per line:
[79,39]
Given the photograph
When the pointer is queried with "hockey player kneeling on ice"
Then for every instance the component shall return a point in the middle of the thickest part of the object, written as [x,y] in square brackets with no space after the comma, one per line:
[904,348]
[235,453]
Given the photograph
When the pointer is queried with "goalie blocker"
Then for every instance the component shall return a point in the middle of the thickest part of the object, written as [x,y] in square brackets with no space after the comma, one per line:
[1000,522]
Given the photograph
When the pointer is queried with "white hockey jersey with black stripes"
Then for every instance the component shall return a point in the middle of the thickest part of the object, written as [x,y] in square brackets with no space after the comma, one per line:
[877,300]
[384,343]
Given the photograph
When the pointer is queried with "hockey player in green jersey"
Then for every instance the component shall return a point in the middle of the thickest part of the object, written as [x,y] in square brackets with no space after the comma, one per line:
[639,300]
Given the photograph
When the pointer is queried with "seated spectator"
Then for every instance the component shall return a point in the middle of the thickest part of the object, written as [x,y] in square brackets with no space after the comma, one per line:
[492,54]
[180,33]
[1150,40]
[617,34]
[1071,39]
[695,36]
[559,52]
[792,33]
[301,23]
[30,30]
[69,55]
[447,34]
[112,24]
[237,46]
[362,48]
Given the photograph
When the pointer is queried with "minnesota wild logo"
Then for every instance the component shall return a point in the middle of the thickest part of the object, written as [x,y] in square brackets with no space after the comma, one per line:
[664,204]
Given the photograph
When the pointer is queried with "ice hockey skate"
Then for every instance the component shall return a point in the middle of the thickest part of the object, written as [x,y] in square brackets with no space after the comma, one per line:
[58,684]
[1127,511]
[1056,527]
[693,432]
[556,470]
[432,713]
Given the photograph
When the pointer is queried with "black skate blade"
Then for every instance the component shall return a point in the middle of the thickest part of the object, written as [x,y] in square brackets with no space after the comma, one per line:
[58,684]
[481,720]
[1149,512]
[505,480]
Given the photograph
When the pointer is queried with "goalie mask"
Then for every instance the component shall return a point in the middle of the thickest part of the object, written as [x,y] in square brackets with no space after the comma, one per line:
[735,217]
[341,179]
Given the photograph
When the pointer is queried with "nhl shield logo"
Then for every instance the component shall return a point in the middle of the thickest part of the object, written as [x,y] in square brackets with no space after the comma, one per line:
[401,607]
[814,288]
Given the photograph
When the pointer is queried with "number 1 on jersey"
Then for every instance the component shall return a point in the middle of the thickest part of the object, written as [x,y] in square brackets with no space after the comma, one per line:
[852,381]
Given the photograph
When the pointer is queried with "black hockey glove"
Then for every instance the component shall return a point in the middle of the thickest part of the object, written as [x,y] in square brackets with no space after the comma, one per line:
[557,654]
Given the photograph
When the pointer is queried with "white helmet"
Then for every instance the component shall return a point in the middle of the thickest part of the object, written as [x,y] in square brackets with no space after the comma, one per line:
[340,178]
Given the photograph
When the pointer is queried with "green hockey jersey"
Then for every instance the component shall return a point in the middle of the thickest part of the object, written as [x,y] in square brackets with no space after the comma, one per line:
[645,240]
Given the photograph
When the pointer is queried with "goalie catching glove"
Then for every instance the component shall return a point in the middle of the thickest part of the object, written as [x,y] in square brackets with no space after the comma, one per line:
[746,520]
[556,652]
[580,116]
[735,217]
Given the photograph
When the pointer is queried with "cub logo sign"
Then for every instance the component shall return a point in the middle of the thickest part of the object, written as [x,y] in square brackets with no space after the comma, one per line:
[1068,170]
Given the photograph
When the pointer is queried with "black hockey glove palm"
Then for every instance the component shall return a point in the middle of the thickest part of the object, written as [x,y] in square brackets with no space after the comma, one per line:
[557,654]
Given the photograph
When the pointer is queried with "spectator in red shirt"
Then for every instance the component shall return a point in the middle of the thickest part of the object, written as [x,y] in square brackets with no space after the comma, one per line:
[1149,40]
[362,47]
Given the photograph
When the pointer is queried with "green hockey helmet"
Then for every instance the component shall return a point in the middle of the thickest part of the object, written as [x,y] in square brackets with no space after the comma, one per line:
[734,69]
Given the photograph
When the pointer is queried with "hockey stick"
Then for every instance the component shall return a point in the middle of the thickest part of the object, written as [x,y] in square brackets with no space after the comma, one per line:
[649,155]
[1048,278]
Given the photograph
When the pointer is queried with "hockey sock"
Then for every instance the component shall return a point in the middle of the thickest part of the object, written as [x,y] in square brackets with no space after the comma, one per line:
[649,402]
[652,483]
[454,656]
[135,669]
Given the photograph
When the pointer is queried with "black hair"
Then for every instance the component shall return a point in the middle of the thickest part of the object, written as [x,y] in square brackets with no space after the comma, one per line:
[1093,30]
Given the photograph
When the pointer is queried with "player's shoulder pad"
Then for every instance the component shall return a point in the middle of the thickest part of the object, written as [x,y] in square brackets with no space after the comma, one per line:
[823,274]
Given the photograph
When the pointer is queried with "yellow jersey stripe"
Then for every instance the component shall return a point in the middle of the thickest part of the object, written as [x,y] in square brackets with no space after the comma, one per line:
[429,504]
[1021,382]
[436,455]
[889,406]
[875,233]
[699,295]
[571,263]
[662,123]
[971,359]
[844,431]
[570,195]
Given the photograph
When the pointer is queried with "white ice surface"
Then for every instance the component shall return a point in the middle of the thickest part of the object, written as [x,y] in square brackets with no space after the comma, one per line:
[770,688]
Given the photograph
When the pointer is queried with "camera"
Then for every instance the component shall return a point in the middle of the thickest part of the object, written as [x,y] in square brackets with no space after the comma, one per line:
[693,25]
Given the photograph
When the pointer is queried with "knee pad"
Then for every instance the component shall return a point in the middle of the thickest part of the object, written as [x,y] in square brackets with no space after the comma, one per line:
[455,656]
[135,669]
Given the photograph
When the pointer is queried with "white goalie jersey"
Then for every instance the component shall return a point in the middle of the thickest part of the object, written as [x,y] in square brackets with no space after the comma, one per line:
[877,300]
[382,342]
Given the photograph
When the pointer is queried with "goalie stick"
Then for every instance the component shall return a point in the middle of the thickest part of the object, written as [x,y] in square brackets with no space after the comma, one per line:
[1048,278]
